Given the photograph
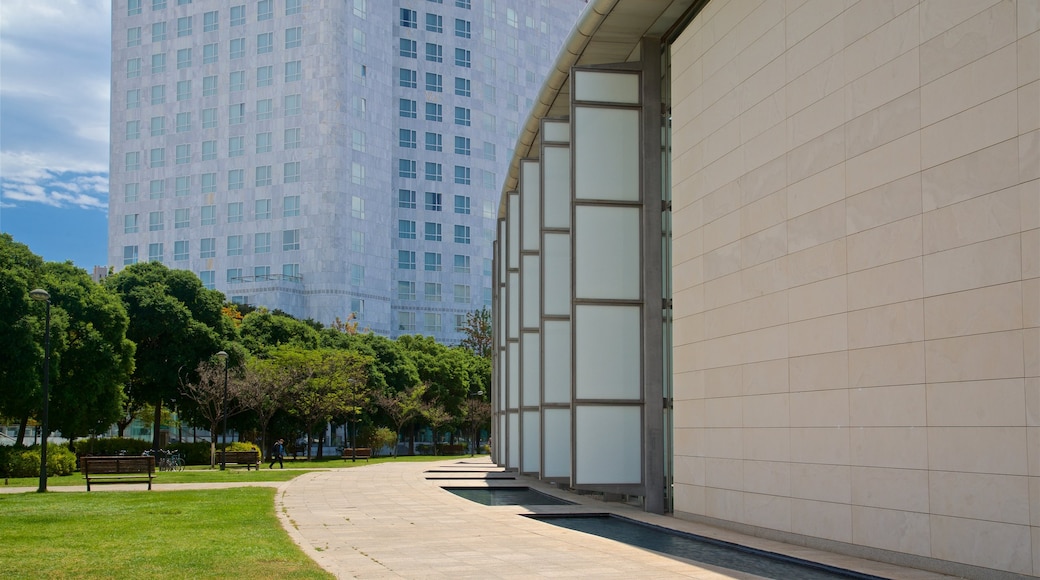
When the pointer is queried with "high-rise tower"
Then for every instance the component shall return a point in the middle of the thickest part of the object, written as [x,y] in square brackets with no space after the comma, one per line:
[324,157]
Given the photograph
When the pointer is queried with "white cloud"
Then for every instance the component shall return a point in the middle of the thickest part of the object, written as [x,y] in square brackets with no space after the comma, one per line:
[83,191]
[55,56]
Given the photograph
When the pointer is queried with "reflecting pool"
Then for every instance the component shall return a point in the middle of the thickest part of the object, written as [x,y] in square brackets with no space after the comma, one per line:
[699,548]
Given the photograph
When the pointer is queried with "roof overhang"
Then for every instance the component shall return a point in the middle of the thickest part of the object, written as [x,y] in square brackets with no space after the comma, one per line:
[608,31]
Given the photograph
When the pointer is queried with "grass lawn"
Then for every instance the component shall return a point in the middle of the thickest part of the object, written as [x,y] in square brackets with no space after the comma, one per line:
[203,474]
[227,533]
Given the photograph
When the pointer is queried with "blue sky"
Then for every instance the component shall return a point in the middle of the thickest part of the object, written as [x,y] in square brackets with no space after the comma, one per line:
[55,57]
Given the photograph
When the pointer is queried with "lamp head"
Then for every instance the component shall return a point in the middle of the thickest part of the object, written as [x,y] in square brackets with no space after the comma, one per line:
[40,295]
[222,355]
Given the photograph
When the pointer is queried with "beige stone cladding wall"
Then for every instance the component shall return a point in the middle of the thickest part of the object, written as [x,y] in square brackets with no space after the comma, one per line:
[856,262]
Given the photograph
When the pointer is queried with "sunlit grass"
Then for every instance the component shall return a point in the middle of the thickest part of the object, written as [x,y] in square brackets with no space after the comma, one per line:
[238,474]
[225,533]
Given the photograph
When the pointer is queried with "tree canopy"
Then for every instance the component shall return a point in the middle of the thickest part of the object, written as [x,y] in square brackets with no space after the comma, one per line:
[175,322]
[477,331]
[97,357]
[146,338]
[91,357]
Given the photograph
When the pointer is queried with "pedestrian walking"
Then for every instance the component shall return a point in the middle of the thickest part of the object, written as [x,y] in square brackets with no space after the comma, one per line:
[278,453]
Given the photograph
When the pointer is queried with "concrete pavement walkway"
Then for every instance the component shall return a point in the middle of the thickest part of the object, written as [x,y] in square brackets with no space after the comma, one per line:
[394,520]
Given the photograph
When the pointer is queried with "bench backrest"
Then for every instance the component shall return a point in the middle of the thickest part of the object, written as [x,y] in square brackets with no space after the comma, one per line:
[117,464]
[240,456]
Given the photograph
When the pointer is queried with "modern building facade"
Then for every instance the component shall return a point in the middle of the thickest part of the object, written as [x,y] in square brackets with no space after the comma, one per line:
[323,157]
[775,266]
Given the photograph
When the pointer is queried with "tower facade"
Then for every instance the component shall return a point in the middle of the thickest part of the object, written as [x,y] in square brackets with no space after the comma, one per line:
[323,157]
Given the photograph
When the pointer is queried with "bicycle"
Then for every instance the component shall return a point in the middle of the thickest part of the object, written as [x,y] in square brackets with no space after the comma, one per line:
[167,460]
[176,461]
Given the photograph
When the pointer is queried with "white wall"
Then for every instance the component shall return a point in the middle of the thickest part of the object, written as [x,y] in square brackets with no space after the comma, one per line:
[857,273]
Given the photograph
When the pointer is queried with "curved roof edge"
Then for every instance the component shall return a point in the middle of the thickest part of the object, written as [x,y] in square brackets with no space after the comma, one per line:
[608,31]
[572,49]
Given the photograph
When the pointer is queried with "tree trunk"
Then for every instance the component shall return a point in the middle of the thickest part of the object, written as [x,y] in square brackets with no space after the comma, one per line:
[22,426]
[213,445]
[121,427]
[156,424]
[263,436]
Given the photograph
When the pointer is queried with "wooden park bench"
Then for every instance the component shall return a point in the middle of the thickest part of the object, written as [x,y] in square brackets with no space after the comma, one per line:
[359,453]
[118,469]
[248,458]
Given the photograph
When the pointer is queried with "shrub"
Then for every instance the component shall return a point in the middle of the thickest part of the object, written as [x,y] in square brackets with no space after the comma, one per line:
[60,460]
[112,446]
[25,461]
[5,460]
[196,453]
[241,446]
[451,449]
[383,437]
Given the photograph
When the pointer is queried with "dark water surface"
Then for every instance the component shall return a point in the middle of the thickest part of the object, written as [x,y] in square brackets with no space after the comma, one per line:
[506,496]
[700,549]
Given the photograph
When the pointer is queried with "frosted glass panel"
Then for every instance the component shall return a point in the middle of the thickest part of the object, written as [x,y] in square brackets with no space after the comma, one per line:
[500,443]
[513,300]
[556,253]
[608,87]
[532,452]
[606,154]
[557,443]
[609,445]
[530,204]
[557,337]
[513,445]
[500,252]
[500,402]
[513,368]
[531,288]
[530,379]
[556,131]
[606,252]
[513,230]
[607,352]
[556,171]
[503,312]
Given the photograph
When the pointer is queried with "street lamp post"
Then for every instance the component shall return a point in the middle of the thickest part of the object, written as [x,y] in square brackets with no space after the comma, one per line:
[41,295]
[223,407]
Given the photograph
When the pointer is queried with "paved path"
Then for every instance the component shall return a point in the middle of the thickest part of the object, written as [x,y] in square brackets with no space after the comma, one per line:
[393,520]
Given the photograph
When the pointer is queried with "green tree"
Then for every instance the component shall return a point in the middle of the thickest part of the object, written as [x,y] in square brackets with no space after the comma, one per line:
[436,417]
[477,331]
[97,358]
[210,397]
[330,390]
[477,416]
[21,332]
[393,368]
[90,359]
[444,370]
[262,330]
[265,385]
[401,407]
[175,322]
